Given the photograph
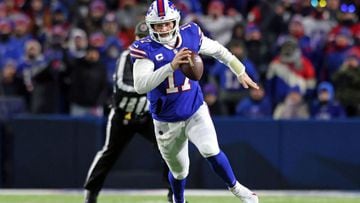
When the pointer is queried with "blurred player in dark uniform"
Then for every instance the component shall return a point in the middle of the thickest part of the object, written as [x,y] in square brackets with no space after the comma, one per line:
[129,115]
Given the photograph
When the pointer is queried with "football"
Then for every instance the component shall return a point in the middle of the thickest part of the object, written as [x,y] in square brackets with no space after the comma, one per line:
[194,69]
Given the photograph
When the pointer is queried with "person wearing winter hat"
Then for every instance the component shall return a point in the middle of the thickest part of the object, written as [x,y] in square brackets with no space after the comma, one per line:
[325,106]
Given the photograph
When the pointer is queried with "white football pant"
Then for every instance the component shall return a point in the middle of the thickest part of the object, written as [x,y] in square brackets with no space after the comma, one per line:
[172,139]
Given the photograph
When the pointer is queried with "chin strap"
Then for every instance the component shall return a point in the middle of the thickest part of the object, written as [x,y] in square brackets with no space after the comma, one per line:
[172,41]
[237,67]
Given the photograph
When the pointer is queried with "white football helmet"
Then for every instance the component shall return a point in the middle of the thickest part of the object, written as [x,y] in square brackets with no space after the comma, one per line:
[162,11]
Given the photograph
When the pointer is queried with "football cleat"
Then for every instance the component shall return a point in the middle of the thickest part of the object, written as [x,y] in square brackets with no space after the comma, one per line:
[244,194]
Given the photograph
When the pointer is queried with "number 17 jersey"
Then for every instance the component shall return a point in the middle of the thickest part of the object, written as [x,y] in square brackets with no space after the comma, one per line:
[176,98]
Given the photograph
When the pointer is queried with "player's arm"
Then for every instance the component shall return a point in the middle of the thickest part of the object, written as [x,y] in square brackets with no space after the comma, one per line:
[145,78]
[215,49]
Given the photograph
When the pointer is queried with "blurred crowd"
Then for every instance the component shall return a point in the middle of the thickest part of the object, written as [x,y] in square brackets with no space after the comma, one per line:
[58,56]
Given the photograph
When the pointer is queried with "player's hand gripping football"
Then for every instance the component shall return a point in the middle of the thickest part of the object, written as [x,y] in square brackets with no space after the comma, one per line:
[180,58]
[246,81]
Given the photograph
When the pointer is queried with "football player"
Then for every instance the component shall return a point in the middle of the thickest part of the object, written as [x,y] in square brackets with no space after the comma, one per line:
[176,102]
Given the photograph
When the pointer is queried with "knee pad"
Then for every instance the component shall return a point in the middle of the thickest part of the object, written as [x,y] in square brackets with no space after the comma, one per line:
[179,172]
[181,175]
[208,150]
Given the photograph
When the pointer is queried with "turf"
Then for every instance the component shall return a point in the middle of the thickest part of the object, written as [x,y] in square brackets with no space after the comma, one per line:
[161,199]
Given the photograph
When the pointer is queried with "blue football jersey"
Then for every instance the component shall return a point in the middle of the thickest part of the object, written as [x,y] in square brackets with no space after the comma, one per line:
[177,97]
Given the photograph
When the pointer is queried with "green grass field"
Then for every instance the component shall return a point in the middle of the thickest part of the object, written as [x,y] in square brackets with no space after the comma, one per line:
[71,198]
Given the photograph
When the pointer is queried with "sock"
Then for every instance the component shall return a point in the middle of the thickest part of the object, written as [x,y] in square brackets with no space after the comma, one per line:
[220,164]
[178,187]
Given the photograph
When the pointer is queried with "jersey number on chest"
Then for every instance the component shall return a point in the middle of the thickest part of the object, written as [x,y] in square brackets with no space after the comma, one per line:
[174,89]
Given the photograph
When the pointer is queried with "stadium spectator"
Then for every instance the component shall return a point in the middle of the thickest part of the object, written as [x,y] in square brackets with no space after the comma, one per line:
[56,39]
[11,82]
[8,43]
[271,17]
[230,90]
[211,97]
[98,40]
[21,33]
[317,25]
[256,105]
[325,107]
[96,14]
[40,16]
[113,45]
[257,49]
[347,18]
[336,52]
[333,9]
[13,6]
[189,6]
[88,88]
[55,53]
[128,14]
[293,106]
[297,30]
[347,85]
[217,22]
[3,11]
[79,12]
[290,68]
[238,32]
[40,79]
[59,15]
[77,44]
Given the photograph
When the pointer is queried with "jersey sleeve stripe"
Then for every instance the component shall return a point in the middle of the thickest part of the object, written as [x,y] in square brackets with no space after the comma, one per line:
[137,56]
[132,49]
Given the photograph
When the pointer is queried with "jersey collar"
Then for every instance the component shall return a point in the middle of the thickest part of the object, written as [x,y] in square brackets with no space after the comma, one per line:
[177,43]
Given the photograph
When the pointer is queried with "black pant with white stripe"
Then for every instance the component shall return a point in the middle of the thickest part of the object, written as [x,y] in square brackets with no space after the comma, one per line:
[121,128]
